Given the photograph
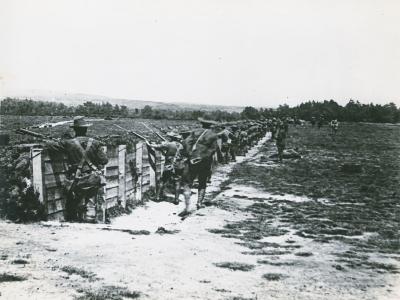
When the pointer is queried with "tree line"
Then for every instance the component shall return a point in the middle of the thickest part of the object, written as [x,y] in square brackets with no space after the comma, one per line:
[353,111]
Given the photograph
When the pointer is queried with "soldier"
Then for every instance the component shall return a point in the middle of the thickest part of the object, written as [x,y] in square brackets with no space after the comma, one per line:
[84,177]
[334,124]
[274,128]
[243,140]
[226,138]
[235,141]
[199,147]
[313,121]
[286,125]
[281,141]
[320,121]
[174,164]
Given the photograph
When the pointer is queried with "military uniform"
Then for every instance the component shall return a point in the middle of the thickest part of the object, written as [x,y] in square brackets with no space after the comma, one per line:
[85,159]
[243,141]
[173,166]
[281,142]
[334,124]
[235,142]
[199,147]
[226,140]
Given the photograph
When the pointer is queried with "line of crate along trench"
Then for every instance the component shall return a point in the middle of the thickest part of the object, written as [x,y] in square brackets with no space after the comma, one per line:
[128,175]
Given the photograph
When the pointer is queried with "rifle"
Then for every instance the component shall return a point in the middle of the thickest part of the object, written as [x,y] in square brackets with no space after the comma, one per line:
[156,133]
[34,134]
[134,133]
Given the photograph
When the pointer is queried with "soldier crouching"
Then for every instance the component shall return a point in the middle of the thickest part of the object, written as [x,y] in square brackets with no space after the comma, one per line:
[86,160]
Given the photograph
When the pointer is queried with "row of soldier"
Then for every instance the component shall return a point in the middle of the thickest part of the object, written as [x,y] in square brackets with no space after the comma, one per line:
[188,156]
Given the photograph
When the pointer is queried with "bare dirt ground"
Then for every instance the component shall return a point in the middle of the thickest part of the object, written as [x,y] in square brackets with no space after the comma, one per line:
[251,244]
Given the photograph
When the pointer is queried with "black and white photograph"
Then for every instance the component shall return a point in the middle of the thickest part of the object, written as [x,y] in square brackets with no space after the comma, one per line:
[199,149]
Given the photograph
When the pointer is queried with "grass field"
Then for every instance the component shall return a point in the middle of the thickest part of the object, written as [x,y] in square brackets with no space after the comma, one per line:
[350,187]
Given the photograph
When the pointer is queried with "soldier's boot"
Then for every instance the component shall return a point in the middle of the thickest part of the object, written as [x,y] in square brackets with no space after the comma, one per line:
[160,192]
[200,198]
[186,193]
[90,214]
[233,155]
[177,192]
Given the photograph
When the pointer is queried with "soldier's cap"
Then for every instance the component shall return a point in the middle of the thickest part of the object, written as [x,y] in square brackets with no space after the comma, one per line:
[207,122]
[174,135]
[80,122]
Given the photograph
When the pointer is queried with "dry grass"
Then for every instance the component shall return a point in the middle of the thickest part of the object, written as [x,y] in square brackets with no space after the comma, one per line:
[274,276]
[70,270]
[4,277]
[109,293]
[235,266]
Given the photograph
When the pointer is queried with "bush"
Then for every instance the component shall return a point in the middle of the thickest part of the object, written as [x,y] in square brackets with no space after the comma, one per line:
[18,200]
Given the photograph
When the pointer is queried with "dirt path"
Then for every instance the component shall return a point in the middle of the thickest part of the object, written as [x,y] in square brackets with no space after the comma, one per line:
[129,259]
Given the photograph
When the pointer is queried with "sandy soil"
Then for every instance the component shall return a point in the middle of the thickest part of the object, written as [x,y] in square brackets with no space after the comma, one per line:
[179,264]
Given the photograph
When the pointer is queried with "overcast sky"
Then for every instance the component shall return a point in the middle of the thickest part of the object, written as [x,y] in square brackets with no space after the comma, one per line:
[233,52]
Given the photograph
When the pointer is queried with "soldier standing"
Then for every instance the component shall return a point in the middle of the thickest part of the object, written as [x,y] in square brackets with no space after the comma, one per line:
[334,124]
[274,128]
[281,141]
[85,159]
[199,147]
[226,138]
[243,140]
[320,121]
[174,164]
[235,142]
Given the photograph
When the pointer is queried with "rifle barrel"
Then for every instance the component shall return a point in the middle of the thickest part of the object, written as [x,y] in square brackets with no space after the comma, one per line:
[131,131]
[153,131]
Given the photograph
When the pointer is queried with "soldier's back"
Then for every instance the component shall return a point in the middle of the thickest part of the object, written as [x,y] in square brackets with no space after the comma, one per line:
[77,147]
[201,143]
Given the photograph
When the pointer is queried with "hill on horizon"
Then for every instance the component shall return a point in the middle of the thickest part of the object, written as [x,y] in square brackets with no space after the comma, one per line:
[79,98]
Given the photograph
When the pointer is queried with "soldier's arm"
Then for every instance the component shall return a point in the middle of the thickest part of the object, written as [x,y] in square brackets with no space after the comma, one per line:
[159,147]
[56,146]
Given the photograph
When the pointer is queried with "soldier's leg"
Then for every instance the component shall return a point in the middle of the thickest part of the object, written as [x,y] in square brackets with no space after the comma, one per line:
[71,207]
[81,207]
[280,152]
[187,179]
[160,191]
[233,153]
[205,170]
[165,177]
[177,191]
[90,214]
[227,155]
[177,181]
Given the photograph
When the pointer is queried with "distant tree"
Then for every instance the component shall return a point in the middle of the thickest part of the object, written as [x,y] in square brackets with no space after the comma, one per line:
[250,112]
[147,112]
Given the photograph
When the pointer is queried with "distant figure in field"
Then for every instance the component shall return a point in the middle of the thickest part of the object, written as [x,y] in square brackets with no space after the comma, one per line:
[320,122]
[281,141]
[334,124]
[313,121]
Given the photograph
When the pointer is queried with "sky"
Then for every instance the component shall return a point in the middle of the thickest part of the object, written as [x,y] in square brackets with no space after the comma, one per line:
[230,52]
